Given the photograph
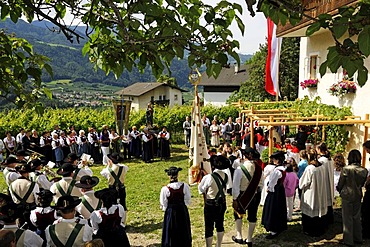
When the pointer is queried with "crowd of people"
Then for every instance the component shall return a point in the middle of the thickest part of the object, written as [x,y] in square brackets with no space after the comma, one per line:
[294,173]
[67,211]
[55,145]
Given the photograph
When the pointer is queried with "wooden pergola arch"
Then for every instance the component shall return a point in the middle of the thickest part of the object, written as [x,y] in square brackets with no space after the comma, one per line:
[278,117]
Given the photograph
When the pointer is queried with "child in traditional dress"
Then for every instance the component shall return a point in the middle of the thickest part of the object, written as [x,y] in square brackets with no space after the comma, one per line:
[291,182]
[174,199]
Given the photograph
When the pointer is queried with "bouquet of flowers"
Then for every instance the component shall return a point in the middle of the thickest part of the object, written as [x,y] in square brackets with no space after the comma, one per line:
[343,87]
[309,83]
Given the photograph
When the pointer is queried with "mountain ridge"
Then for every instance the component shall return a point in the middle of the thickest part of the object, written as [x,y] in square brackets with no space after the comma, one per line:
[68,62]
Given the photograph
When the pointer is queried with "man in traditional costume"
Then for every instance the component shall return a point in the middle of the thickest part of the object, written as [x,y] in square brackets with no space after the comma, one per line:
[135,144]
[66,186]
[89,202]
[9,172]
[68,230]
[24,192]
[247,186]
[9,213]
[115,172]
[213,188]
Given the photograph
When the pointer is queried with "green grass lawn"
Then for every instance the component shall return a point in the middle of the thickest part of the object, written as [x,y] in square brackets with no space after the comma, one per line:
[144,222]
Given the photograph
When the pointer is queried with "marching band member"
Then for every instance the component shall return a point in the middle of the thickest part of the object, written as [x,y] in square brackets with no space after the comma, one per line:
[9,172]
[213,188]
[66,186]
[68,228]
[247,186]
[9,213]
[81,167]
[38,176]
[116,172]
[89,202]
[24,192]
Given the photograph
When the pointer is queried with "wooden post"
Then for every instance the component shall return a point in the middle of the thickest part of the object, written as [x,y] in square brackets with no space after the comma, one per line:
[251,129]
[271,141]
[366,134]
[323,133]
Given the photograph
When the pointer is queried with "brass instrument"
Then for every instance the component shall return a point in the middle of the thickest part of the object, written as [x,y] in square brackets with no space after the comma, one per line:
[45,168]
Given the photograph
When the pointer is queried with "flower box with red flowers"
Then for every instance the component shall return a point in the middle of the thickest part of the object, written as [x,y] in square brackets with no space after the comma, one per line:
[310,83]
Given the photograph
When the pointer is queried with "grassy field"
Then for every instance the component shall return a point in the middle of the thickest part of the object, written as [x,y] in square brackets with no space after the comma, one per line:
[144,223]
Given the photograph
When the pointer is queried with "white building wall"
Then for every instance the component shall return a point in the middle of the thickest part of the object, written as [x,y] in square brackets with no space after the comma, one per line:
[358,101]
[216,98]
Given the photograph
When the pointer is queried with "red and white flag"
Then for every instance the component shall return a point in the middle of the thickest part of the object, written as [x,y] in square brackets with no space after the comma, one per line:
[273,58]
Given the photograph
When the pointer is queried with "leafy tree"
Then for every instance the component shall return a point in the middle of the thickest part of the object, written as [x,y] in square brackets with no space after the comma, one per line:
[254,88]
[167,79]
[126,34]
[20,72]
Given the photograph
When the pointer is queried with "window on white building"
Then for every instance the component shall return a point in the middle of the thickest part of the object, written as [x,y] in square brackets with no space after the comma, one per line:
[160,97]
[175,97]
[313,63]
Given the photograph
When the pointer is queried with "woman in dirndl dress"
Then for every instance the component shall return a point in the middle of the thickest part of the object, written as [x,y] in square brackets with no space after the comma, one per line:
[174,199]
[274,210]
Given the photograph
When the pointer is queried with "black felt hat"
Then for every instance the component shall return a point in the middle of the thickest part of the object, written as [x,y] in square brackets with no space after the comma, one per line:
[251,151]
[10,160]
[71,157]
[220,162]
[107,192]
[35,163]
[22,153]
[278,155]
[23,167]
[4,198]
[45,193]
[10,212]
[67,202]
[173,171]
[87,182]
[115,158]
[67,168]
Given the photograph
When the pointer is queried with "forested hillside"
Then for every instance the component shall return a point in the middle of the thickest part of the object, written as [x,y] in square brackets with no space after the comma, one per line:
[69,64]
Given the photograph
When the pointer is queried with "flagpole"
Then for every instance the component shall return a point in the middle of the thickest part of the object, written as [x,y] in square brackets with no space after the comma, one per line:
[278,70]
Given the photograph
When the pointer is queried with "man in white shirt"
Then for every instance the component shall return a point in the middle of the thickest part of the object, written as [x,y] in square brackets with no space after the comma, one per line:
[68,227]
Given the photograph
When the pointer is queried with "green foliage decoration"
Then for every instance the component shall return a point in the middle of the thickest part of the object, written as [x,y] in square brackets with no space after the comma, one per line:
[336,136]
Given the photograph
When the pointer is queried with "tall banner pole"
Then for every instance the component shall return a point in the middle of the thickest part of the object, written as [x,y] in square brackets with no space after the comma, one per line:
[199,164]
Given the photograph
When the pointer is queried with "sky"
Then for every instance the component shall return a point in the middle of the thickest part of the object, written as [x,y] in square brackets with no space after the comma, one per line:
[255,29]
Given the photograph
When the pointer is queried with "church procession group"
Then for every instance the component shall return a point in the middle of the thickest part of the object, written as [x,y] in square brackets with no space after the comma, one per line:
[317,178]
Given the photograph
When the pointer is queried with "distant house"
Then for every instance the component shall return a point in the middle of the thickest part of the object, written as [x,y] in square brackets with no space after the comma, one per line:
[141,93]
[217,91]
